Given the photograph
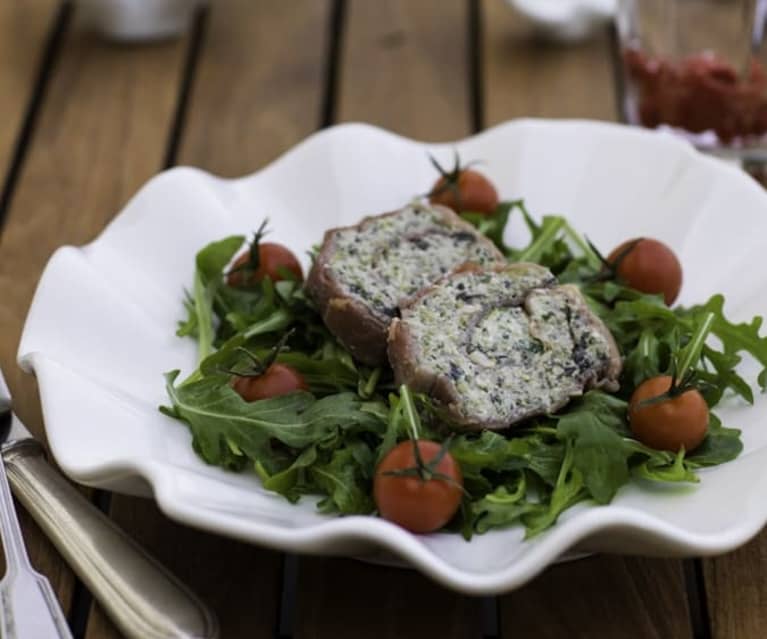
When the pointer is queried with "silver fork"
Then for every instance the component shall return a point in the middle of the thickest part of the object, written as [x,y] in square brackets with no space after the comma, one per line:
[29,608]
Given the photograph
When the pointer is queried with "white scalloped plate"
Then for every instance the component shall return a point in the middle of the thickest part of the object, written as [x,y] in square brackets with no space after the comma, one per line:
[100,331]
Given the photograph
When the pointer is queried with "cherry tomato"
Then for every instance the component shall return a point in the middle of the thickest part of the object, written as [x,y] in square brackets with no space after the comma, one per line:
[273,259]
[670,423]
[649,266]
[472,191]
[277,380]
[419,505]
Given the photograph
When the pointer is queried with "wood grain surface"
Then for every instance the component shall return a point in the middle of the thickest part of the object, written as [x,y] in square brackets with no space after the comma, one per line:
[259,85]
[24,30]
[257,91]
[601,596]
[526,76]
[404,66]
[342,598]
[736,587]
[101,133]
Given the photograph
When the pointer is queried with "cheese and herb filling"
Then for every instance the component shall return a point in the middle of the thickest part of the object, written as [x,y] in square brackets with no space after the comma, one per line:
[389,258]
[508,342]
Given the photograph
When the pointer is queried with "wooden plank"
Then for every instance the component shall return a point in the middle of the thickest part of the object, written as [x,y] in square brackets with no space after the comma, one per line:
[525,76]
[238,581]
[259,86]
[24,28]
[601,596]
[405,66]
[346,598]
[100,133]
[736,591]
[257,91]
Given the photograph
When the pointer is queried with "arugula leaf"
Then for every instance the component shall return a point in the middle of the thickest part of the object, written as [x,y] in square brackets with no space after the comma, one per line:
[216,414]
[595,426]
[644,361]
[323,375]
[188,327]
[725,376]
[664,467]
[721,445]
[568,491]
[342,480]
[366,386]
[490,458]
[737,338]
[504,506]
[493,226]
[543,241]
[209,272]
[650,335]
[396,427]
[212,260]
[544,458]
[489,451]
[331,375]
[289,482]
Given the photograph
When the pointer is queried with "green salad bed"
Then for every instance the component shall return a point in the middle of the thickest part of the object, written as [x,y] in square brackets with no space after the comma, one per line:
[330,438]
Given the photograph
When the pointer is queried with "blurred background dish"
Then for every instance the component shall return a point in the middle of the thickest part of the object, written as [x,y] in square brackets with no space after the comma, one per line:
[566,20]
[696,67]
[138,20]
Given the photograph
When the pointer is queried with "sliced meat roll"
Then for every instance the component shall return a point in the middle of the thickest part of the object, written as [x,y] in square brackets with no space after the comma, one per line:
[499,345]
[364,273]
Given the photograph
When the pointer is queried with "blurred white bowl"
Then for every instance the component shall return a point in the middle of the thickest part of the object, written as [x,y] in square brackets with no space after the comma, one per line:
[138,20]
[566,20]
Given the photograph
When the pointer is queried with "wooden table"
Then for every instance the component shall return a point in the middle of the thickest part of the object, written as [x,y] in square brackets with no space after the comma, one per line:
[83,123]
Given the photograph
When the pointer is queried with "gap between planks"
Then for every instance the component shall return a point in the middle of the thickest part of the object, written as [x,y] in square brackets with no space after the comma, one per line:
[50,49]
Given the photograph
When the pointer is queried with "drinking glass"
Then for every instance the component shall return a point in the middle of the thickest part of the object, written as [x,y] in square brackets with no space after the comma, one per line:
[697,67]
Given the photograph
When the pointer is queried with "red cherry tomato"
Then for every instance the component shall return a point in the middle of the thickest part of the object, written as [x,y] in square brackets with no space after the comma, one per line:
[469,191]
[273,260]
[277,380]
[671,423]
[648,266]
[419,505]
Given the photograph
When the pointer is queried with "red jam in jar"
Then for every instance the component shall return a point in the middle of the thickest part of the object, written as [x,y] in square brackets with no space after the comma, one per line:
[699,93]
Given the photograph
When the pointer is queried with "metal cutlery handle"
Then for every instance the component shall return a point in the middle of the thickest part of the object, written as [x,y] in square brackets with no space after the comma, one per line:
[143,599]
[26,598]
[25,595]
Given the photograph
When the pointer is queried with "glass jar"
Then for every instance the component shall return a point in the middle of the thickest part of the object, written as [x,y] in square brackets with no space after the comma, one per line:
[696,67]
